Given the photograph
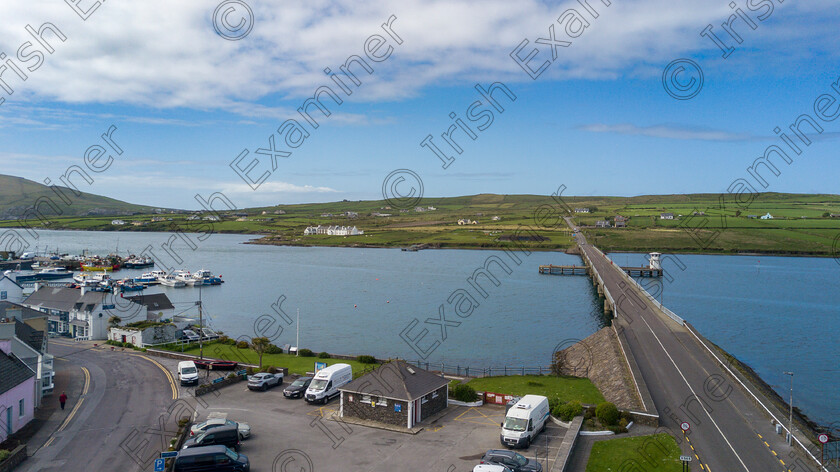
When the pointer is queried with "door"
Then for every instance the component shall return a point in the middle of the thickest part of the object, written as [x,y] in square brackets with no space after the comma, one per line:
[8,421]
[416,411]
[123,338]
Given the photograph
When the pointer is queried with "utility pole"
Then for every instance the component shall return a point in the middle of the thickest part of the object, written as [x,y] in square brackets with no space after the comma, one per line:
[790,427]
[297,335]
[200,326]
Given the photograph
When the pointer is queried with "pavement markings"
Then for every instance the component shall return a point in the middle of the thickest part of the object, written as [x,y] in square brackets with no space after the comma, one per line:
[480,418]
[166,372]
[775,454]
[703,467]
[75,408]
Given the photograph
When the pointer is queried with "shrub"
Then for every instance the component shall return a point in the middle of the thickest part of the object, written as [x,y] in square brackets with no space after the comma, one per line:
[568,410]
[623,423]
[607,413]
[223,339]
[323,355]
[553,403]
[183,422]
[4,454]
[251,370]
[464,393]
[306,353]
[272,349]
[242,345]
[231,375]
[129,345]
[365,359]
[589,413]
[230,342]
[616,429]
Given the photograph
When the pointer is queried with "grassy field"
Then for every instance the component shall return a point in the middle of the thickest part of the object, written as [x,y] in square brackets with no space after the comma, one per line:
[620,454]
[801,223]
[296,365]
[565,388]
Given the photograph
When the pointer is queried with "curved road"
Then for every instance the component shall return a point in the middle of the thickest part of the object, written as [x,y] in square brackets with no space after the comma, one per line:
[113,421]
[729,433]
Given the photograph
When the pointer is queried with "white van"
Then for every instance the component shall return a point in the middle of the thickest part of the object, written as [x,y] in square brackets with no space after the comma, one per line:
[326,382]
[524,420]
[187,372]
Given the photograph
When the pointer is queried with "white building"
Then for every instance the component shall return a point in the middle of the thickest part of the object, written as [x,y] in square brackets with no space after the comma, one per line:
[768,216]
[666,216]
[466,221]
[333,230]
[10,290]
[144,335]
[581,210]
[82,314]
[117,222]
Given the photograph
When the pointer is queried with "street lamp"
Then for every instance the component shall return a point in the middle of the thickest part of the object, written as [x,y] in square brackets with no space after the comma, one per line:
[790,428]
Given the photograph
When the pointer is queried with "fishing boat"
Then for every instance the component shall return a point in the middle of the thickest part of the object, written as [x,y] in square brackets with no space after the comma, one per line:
[128,285]
[147,279]
[208,277]
[187,278]
[50,273]
[169,280]
[86,280]
[135,262]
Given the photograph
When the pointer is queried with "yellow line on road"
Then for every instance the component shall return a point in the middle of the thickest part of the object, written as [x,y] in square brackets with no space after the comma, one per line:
[75,407]
[166,372]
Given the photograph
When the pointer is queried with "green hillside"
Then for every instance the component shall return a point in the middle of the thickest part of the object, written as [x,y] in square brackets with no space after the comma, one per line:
[18,195]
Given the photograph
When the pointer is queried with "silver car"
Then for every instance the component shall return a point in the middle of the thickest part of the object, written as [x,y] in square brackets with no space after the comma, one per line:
[243,428]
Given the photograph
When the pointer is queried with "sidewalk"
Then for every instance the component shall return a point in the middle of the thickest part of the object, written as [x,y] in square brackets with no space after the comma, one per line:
[48,418]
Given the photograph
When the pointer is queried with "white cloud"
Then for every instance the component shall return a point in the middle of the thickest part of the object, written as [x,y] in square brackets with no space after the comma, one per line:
[667,131]
[164,54]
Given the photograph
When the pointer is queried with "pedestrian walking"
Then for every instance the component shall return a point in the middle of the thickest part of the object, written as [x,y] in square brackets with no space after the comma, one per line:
[62,399]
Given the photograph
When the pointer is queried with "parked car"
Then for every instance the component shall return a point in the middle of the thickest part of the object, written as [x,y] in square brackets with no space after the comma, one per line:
[297,388]
[264,380]
[514,461]
[189,335]
[225,435]
[187,373]
[490,468]
[216,458]
[243,428]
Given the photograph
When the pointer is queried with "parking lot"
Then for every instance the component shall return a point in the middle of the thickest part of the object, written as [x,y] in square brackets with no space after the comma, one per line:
[290,435]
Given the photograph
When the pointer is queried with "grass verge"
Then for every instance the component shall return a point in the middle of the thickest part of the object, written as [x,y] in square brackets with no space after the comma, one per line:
[620,454]
[565,388]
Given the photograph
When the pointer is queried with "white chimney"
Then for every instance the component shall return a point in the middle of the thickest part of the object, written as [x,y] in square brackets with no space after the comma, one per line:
[84,289]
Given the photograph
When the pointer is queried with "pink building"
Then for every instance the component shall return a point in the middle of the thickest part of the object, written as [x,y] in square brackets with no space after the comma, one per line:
[17,392]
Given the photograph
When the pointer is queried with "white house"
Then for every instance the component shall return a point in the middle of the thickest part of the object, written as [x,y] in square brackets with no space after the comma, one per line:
[145,335]
[117,222]
[157,306]
[581,210]
[666,216]
[467,221]
[496,218]
[30,346]
[333,230]
[82,314]
[768,216]
[10,290]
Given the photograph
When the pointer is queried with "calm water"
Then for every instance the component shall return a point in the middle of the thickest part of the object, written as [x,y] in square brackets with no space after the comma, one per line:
[774,313]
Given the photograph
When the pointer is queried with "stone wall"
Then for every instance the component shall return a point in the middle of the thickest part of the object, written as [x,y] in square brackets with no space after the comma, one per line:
[434,405]
[355,408]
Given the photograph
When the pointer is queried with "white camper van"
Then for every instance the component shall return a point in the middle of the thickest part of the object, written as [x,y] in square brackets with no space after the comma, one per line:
[326,382]
[187,373]
[524,420]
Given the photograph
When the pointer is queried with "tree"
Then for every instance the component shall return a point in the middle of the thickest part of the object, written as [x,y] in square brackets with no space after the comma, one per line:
[826,214]
[737,212]
[260,345]
[114,321]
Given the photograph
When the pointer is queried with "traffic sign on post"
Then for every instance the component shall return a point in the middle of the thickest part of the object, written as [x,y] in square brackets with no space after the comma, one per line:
[166,454]
[685,458]
[159,465]
[685,426]
[823,438]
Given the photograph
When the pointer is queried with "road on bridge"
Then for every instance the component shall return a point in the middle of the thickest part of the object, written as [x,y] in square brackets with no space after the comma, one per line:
[728,431]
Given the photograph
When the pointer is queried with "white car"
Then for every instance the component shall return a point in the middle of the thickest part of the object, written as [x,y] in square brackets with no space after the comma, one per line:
[490,468]
[264,380]
[243,428]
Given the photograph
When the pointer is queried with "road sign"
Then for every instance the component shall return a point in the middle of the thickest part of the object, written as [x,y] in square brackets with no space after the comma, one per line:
[685,426]
[319,366]
[685,458]
[166,454]
[823,438]
[159,465]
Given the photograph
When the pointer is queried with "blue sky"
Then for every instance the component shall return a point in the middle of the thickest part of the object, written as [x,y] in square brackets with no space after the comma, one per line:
[187,101]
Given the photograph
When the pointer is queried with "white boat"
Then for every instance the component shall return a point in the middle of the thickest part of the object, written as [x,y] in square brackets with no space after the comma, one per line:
[146,279]
[169,280]
[207,277]
[187,278]
[86,280]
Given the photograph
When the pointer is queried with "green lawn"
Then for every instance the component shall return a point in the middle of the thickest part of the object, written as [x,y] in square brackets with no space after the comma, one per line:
[636,453]
[296,365]
[566,388]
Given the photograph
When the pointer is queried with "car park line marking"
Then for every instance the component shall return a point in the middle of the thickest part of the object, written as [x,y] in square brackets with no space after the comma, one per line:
[322,411]
[75,408]
[482,419]
[166,372]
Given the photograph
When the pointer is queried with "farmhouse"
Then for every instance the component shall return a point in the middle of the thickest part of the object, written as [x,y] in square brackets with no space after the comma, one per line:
[768,216]
[666,216]
[396,393]
[581,210]
[602,224]
[620,221]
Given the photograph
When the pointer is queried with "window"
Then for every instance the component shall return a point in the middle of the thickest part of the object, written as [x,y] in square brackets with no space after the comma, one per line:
[20,407]
[4,295]
[425,399]
[434,394]
[382,402]
[365,398]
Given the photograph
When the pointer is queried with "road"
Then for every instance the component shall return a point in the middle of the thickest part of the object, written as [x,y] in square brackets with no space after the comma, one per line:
[116,395]
[728,431]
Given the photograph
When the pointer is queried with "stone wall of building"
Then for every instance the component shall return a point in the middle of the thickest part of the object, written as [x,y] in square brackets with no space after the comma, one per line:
[375,411]
[434,405]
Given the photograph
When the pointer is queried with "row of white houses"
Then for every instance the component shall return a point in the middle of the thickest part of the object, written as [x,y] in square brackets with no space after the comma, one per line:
[333,230]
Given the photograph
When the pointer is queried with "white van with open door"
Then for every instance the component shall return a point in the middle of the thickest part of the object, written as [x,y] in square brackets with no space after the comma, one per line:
[326,382]
[524,420]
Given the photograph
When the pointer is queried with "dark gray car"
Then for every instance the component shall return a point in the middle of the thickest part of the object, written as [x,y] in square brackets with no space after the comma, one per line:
[512,460]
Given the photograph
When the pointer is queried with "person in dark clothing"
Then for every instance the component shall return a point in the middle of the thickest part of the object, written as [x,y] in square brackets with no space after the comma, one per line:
[62,399]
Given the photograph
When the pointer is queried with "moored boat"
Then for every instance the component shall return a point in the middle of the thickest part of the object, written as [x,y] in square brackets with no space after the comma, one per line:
[208,277]
[169,280]
[50,273]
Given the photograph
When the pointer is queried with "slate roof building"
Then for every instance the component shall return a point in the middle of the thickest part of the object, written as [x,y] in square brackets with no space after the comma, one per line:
[158,306]
[29,345]
[79,313]
[17,392]
[396,393]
